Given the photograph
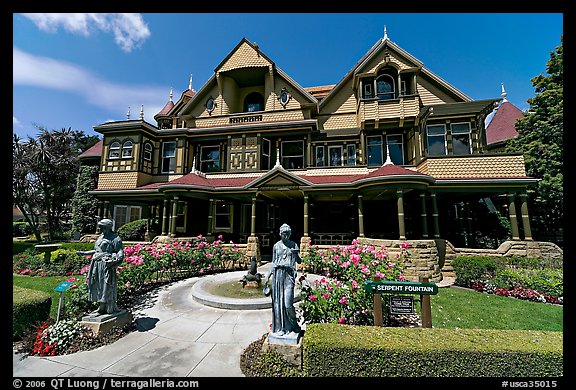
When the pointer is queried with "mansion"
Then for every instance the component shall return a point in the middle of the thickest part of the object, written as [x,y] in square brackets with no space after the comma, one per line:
[392,151]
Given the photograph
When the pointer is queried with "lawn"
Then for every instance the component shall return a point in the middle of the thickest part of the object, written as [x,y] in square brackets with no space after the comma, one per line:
[46,284]
[452,307]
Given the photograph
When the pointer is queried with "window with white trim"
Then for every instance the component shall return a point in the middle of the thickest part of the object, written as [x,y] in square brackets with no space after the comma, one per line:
[374,150]
[319,156]
[292,153]
[335,156]
[351,154]
[395,148]
[127,147]
[210,158]
[436,138]
[148,151]
[461,134]
[168,156]
[114,150]
[125,214]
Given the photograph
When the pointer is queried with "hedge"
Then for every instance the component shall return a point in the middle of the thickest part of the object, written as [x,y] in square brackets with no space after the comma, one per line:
[28,308]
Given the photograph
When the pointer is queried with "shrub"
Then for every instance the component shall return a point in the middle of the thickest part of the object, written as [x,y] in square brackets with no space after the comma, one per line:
[339,296]
[58,338]
[28,308]
[20,229]
[469,269]
[133,231]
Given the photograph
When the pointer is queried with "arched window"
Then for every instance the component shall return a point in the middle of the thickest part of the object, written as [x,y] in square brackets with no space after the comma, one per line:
[148,151]
[114,150]
[385,87]
[253,102]
[127,149]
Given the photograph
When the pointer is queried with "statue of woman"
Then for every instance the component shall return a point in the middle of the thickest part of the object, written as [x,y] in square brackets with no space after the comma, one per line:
[106,256]
[285,255]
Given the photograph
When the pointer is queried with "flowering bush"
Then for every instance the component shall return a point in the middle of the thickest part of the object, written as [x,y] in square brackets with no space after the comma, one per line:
[58,338]
[339,296]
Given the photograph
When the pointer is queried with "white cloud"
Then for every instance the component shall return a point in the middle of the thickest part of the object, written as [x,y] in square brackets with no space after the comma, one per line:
[129,30]
[45,72]
[15,121]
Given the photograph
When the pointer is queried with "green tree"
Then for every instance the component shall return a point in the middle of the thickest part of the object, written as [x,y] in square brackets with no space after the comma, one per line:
[539,138]
[44,176]
[85,205]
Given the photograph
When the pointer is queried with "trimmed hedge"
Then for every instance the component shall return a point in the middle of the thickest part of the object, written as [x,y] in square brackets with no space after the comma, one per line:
[133,231]
[28,308]
[361,351]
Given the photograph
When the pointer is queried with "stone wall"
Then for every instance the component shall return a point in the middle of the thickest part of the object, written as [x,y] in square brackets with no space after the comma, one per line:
[530,249]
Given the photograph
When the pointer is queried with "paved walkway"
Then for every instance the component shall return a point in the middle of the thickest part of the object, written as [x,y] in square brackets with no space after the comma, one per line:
[176,337]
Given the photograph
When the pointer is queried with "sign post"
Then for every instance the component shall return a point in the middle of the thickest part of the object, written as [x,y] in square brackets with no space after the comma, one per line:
[423,288]
[63,286]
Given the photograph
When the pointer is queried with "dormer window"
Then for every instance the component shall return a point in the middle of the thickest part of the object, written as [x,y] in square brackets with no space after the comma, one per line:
[114,150]
[385,87]
[253,102]
[127,149]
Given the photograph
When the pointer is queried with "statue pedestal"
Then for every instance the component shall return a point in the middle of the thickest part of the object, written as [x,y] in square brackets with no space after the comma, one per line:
[103,323]
[289,347]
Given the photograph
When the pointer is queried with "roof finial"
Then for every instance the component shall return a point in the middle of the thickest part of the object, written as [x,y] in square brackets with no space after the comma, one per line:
[385,33]
[277,159]
[504,94]
[193,165]
[142,112]
[128,113]
[388,160]
[171,94]
[190,82]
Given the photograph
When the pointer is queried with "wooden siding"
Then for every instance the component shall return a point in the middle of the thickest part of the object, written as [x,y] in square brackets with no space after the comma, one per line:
[277,116]
[245,56]
[430,95]
[389,109]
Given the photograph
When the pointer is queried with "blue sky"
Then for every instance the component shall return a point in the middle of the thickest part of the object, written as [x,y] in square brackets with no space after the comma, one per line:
[81,70]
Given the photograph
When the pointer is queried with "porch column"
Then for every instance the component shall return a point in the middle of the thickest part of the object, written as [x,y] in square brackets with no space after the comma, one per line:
[253,218]
[100,210]
[173,217]
[401,227]
[423,214]
[360,217]
[513,218]
[210,216]
[435,215]
[362,151]
[305,215]
[165,218]
[107,212]
[525,219]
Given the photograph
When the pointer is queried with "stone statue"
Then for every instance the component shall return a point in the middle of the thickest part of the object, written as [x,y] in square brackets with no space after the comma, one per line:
[106,256]
[285,255]
[252,278]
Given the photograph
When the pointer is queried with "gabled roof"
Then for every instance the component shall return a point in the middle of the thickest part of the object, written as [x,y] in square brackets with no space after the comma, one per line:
[377,49]
[503,124]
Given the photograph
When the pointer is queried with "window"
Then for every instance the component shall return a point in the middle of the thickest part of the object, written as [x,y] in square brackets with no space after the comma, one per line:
[125,214]
[403,87]
[319,156]
[284,97]
[368,91]
[253,102]
[461,138]
[436,135]
[210,105]
[374,151]
[385,87]
[127,149]
[223,215]
[335,156]
[168,157]
[265,160]
[292,154]
[395,148]
[114,150]
[147,151]
[351,154]
[210,158]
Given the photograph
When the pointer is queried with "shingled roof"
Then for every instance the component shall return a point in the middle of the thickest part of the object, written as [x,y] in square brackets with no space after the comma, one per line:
[503,124]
